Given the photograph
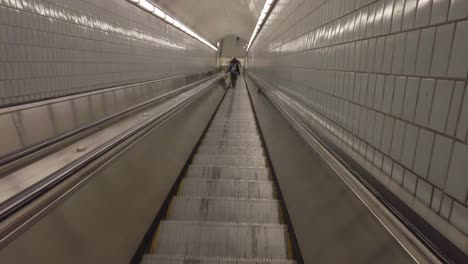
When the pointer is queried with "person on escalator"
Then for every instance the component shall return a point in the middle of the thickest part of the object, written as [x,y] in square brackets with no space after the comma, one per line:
[234,70]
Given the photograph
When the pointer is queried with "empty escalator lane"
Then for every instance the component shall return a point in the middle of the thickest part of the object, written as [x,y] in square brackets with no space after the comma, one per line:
[225,210]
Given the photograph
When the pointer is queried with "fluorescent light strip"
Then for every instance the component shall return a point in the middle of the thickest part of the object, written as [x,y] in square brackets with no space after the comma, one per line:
[153,9]
[261,19]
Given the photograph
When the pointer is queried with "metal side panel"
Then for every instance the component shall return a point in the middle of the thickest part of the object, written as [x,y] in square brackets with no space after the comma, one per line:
[227,188]
[104,220]
[225,210]
[162,259]
[228,173]
[210,239]
[331,224]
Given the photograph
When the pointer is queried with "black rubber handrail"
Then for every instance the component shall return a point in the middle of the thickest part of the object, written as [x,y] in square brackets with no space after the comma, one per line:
[28,195]
[9,158]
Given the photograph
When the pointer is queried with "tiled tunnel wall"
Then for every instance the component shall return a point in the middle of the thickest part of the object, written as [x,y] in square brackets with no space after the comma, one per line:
[387,81]
[52,48]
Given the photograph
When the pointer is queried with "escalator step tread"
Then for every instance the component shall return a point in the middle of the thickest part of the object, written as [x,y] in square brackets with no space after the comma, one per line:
[216,160]
[227,188]
[231,136]
[218,172]
[225,209]
[165,259]
[241,151]
[233,130]
[232,143]
[214,239]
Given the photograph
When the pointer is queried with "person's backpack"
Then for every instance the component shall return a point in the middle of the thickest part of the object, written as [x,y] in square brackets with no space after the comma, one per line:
[233,69]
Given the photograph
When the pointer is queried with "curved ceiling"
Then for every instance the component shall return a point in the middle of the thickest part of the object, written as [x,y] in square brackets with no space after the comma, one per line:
[215,19]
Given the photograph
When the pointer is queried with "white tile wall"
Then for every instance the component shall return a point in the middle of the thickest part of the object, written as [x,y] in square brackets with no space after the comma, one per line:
[387,81]
[51,48]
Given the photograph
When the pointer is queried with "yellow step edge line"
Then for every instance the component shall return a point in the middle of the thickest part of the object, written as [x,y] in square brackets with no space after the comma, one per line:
[154,243]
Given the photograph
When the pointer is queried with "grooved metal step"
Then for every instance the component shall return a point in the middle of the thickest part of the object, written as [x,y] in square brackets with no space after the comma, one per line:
[232,136]
[236,151]
[224,210]
[227,188]
[163,259]
[232,130]
[238,122]
[211,239]
[227,173]
[232,143]
[236,161]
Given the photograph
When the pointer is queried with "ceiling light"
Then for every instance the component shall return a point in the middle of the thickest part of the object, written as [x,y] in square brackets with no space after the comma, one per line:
[146,5]
[159,13]
[261,19]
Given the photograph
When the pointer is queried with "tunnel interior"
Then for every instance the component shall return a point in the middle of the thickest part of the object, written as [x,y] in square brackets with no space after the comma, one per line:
[129,133]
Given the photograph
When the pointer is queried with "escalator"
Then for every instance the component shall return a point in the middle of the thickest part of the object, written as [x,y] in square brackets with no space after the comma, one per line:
[226,208]
[197,178]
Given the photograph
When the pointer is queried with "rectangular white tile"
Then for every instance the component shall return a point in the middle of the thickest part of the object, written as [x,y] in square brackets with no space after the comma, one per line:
[409,145]
[411,50]
[409,14]
[436,200]
[440,160]
[424,191]
[388,94]
[398,96]
[409,181]
[439,11]
[423,13]
[387,134]
[397,18]
[459,217]
[455,105]
[458,65]
[423,152]
[426,43]
[425,97]
[398,137]
[457,182]
[458,9]
[398,55]
[442,47]
[411,97]
[441,104]
[462,127]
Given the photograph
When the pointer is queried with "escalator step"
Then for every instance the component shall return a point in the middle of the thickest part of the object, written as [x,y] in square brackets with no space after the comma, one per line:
[228,173]
[240,123]
[232,143]
[227,188]
[233,130]
[236,161]
[211,239]
[232,136]
[225,210]
[165,259]
[239,151]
